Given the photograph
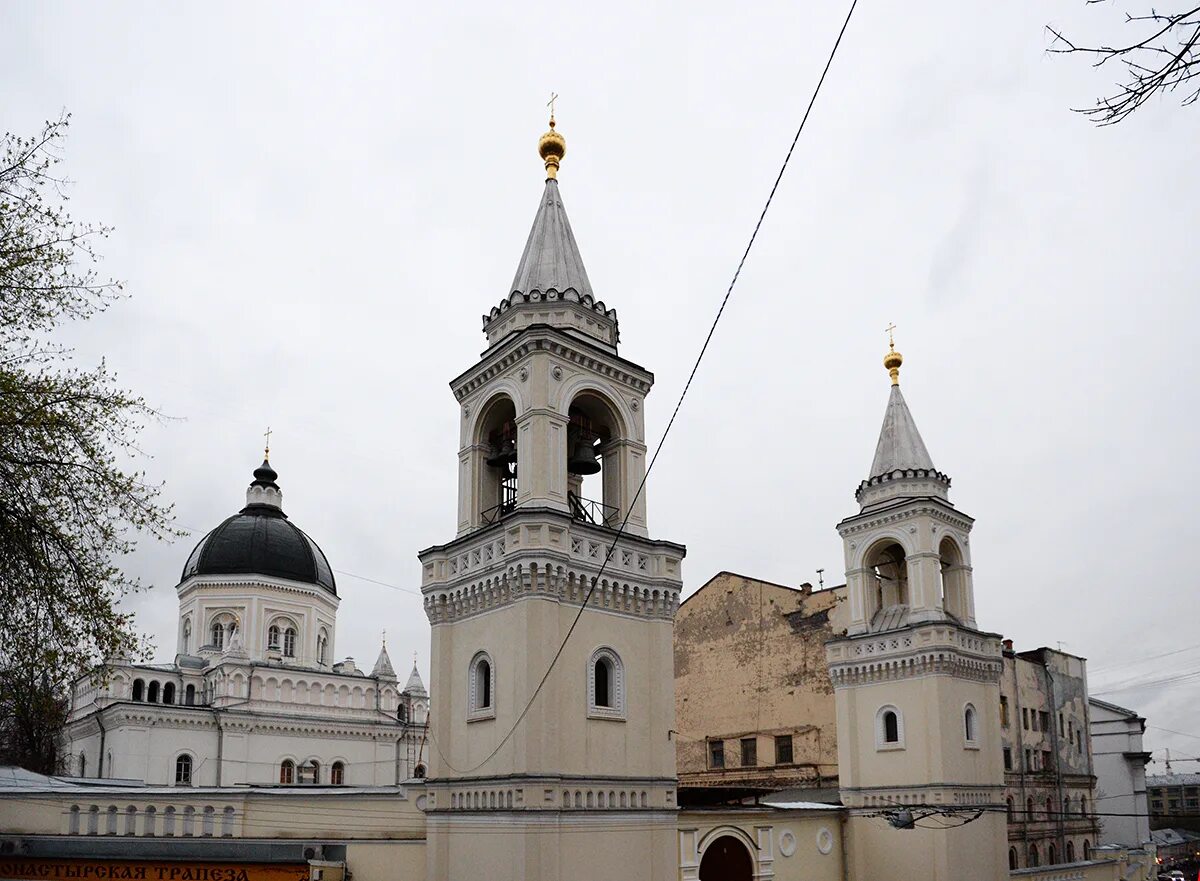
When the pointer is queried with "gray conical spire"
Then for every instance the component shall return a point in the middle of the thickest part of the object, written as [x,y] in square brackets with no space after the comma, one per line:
[900,447]
[551,259]
[383,665]
[414,684]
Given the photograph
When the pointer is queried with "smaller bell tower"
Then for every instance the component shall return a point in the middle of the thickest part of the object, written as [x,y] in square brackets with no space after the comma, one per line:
[916,683]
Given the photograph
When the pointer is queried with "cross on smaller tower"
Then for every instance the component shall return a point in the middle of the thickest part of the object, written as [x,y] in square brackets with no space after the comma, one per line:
[891,339]
[550,104]
[267,448]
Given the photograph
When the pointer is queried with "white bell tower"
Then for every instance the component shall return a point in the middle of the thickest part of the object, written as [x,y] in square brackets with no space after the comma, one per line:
[916,682]
[572,773]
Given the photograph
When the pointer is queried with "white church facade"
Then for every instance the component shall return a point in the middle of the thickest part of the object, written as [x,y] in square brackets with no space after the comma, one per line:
[253,695]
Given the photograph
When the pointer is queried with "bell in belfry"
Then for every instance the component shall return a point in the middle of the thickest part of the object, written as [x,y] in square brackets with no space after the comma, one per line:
[503,442]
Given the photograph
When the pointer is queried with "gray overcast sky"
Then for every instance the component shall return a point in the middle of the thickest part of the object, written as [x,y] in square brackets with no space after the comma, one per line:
[315,203]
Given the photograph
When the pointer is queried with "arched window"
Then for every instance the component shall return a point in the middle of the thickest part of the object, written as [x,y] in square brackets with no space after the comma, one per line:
[310,772]
[169,822]
[889,728]
[1066,809]
[1087,849]
[337,773]
[82,765]
[131,820]
[227,822]
[402,713]
[322,646]
[1029,809]
[1011,812]
[73,825]
[593,451]
[1049,808]
[481,687]
[289,642]
[1083,807]
[183,770]
[169,693]
[218,635]
[970,725]
[1051,855]
[419,772]
[1033,856]
[186,642]
[189,696]
[110,827]
[139,690]
[888,567]
[1070,851]
[952,574]
[287,771]
[150,821]
[1012,858]
[152,693]
[606,685]
[273,637]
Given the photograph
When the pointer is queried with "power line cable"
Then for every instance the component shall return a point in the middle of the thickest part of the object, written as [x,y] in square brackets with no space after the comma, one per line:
[671,422]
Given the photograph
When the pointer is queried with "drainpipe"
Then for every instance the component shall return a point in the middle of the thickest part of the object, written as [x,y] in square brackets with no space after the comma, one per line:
[220,742]
[843,820]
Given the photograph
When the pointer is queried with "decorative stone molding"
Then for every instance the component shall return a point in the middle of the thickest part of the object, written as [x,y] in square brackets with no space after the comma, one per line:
[932,649]
[561,308]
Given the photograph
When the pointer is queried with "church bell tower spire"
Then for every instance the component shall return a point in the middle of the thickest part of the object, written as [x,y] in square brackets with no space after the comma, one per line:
[552,609]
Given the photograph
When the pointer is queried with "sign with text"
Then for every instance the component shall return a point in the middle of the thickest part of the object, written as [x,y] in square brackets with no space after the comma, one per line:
[34,869]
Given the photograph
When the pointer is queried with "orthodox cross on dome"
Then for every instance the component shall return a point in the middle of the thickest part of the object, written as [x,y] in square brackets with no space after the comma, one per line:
[550,104]
[891,339]
[893,359]
[267,446]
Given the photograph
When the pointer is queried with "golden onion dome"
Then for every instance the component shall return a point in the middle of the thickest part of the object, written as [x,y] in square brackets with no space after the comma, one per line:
[892,361]
[552,147]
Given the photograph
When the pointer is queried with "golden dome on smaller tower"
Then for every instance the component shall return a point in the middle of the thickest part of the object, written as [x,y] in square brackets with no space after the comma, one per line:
[552,147]
[893,359]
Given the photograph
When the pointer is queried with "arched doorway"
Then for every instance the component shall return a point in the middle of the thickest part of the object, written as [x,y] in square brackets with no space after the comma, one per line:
[726,859]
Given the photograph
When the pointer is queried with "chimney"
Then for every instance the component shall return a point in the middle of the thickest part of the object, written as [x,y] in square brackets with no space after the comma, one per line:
[806,588]
[1008,645]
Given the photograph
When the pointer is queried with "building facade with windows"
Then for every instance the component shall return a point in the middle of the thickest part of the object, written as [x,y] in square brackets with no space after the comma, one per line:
[1120,759]
[253,696]
[1174,800]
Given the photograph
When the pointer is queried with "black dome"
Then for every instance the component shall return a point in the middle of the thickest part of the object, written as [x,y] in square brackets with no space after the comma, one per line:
[259,540]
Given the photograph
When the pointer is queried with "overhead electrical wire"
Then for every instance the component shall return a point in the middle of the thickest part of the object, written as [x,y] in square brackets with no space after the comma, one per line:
[671,422]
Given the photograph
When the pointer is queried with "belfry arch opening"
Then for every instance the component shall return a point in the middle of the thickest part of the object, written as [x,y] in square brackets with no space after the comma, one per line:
[498,474]
[592,461]
[726,859]
[952,578]
[888,573]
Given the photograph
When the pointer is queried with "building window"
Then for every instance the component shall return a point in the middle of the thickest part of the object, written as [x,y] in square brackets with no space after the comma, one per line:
[419,772]
[716,754]
[1061,727]
[1087,850]
[783,749]
[1025,718]
[749,752]
[187,636]
[1070,851]
[1049,808]
[970,725]
[1033,856]
[606,685]
[152,693]
[287,771]
[1029,760]
[82,765]
[889,728]
[481,688]
[1044,718]
[218,635]
[337,773]
[189,696]
[289,642]
[273,637]
[1066,810]
[1012,858]
[1083,808]
[169,693]
[322,647]
[1029,809]
[1047,760]
[1003,711]
[310,772]
[1051,855]
[183,770]
[139,690]
[1010,812]
[1008,759]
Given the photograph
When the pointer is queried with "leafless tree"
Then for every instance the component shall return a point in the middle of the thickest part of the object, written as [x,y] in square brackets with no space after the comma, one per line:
[1165,59]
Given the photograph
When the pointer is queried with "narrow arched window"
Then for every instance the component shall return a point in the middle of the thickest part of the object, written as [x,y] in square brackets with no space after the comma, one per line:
[287,771]
[218,635]
[1070,851]
[1049,808]
[1012,858]
[1033,856]
[891,727]
[289,642]
[970,724]
[152,693]
[1029,809]
[183,770]
[139,690]
[82,765]
[481,688]
[273,637]
[322,646]
[337,773]
[1051,855]
[419,773]
[1011,812]
[190,696]
[1087,849]
[606,685]
[169,693]
[602,670]
[1083,806]
[186,642]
